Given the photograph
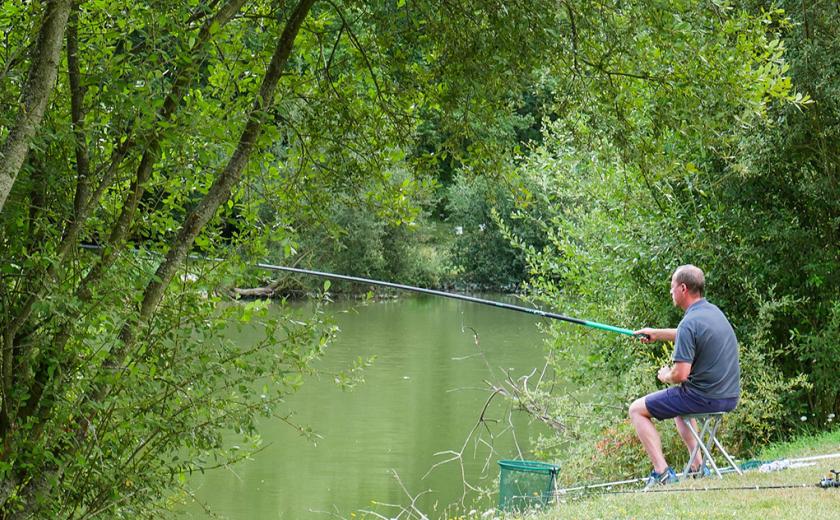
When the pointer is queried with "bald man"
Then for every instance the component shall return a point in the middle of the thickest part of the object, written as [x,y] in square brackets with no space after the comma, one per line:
[705,374]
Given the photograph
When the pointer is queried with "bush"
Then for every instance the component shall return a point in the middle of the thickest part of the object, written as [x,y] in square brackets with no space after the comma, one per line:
[480,210]
[364,244]
[750,199]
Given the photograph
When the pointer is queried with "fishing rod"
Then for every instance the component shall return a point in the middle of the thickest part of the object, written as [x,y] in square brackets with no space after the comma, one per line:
[825,483]
[500,305]
[759,465]
[717,488]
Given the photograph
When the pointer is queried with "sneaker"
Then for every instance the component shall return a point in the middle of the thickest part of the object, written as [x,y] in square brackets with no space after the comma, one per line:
[666,477]
[702,472]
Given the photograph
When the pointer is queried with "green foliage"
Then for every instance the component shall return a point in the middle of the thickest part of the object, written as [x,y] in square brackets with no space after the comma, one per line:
[781,230]
[817,353]
[716,150]
[357,241]
[482,255]
[168,408]
[482,216]
[162,140]
[673,132]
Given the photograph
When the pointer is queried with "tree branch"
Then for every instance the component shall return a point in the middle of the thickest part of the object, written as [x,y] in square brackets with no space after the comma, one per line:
[36,94]
[83,207]
[77,96]
[218,193]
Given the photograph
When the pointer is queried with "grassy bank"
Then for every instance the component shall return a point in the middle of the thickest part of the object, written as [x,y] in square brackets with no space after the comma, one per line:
[765,504]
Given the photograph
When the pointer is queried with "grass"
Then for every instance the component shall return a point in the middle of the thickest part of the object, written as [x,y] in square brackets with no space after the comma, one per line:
[808,501]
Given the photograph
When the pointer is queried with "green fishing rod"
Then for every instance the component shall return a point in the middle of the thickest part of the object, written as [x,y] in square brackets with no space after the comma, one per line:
[500,305]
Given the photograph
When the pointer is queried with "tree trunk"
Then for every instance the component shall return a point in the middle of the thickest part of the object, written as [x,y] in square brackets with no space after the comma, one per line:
[77,96]
[35,95]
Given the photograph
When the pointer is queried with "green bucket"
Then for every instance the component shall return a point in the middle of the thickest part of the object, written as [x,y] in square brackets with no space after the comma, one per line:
[525,484]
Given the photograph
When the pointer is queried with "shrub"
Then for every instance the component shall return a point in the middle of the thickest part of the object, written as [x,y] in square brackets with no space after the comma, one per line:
[364,244]
[479,209]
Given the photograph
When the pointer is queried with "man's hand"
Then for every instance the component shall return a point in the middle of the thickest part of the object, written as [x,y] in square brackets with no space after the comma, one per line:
[646,335]
[649,335]
[674,374]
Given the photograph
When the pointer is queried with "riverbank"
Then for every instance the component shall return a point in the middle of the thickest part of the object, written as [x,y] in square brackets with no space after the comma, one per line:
[688,499]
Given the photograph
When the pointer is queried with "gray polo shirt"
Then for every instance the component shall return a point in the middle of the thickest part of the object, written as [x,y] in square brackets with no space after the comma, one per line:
[706,340]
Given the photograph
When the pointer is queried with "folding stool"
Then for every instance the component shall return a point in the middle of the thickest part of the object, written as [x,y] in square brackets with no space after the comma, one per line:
[707,440]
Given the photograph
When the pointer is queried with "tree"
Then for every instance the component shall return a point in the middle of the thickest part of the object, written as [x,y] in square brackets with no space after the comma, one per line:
[201,128]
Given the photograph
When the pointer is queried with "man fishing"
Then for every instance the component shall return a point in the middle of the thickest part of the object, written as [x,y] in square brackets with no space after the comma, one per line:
[705,373]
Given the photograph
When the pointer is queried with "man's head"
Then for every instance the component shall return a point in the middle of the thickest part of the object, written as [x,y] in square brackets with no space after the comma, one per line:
[687,285]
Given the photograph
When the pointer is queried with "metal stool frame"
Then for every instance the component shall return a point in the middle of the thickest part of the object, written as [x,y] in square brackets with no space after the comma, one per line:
[707,440]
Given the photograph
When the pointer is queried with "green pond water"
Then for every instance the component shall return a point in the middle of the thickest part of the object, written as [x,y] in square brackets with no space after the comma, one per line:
[422,396]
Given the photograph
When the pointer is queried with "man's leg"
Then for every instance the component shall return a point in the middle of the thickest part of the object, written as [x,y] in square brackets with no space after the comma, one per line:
[646,431]
[689,441]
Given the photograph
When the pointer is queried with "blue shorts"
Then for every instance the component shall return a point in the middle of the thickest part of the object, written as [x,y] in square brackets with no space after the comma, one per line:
[678,400]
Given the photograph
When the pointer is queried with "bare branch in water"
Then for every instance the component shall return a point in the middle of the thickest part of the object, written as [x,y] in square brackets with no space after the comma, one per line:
[411,510]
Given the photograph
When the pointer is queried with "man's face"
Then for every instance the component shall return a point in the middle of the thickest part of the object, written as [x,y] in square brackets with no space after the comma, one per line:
[678,291]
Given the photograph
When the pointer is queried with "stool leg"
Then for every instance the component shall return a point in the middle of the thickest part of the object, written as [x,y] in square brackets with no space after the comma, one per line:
[690,425]
[728,458]
[691,456]
[720,446]
[712,439]
[697,438]
[708,430]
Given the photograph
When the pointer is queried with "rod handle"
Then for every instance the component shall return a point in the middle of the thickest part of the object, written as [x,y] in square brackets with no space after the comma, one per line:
[609,328]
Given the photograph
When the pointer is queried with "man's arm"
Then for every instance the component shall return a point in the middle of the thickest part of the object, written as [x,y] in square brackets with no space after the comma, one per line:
[648,335]
[675,374]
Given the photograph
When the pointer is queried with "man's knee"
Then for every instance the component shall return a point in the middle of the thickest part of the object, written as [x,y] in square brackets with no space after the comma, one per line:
[638,409]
